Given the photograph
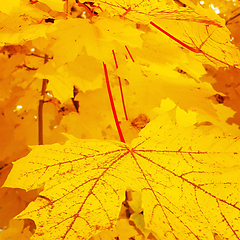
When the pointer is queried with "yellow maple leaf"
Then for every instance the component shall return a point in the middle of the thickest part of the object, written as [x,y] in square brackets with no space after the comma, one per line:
[18,229]
[209,43]
[18,29]
[188,177]
[98,39]
[201,31]
[7,7]
[85,72]
[55,5]
[152,84]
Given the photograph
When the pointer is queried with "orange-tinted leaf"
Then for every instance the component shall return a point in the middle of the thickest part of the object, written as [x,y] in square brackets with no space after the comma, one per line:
[13,201]
[19,230]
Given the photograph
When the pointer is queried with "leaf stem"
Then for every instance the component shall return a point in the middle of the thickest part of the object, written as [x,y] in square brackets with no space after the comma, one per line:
[112,104]
[120,86]
[129,53]
[195,50]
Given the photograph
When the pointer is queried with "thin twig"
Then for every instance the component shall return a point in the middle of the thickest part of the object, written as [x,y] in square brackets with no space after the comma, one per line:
[232,18]
[40,112]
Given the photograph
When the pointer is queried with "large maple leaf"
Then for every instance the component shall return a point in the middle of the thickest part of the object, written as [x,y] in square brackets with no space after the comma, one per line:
[188,177]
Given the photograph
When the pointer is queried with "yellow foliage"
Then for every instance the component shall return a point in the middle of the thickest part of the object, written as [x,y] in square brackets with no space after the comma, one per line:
[175,176]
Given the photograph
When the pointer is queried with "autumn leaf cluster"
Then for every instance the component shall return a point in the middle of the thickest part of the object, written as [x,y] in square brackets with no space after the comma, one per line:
[175,175]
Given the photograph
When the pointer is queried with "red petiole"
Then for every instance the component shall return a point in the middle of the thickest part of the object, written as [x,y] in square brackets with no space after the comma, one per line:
[112,104]
[129,53]
[120,86]
[195,50]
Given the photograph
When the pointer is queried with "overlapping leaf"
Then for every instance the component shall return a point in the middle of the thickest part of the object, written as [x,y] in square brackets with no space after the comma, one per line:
[202,30]
[145,11]
[210,44]
[153,84]
[189,179]
[98,38]
[19,29]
